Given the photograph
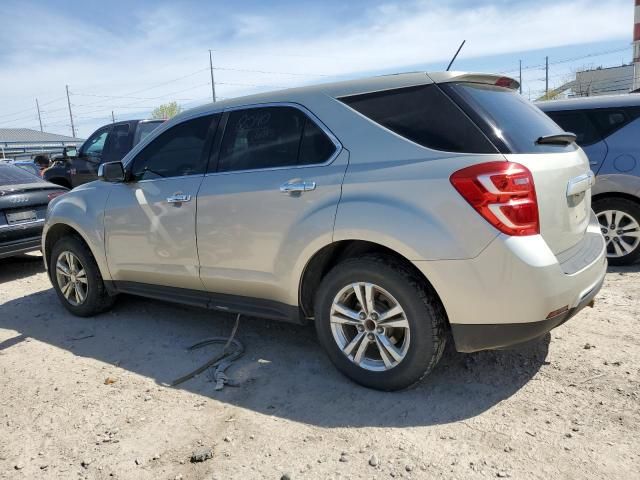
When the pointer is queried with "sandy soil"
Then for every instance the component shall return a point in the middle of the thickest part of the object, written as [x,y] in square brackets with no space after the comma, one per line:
[567,406]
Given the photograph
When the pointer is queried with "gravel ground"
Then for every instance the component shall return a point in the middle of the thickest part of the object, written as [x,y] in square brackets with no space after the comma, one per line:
[85,398]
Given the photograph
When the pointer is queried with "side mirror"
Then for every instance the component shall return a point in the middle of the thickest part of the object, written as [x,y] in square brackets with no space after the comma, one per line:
[111,172]
[69,152]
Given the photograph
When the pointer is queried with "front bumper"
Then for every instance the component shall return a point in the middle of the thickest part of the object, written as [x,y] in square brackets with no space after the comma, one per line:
[17,247]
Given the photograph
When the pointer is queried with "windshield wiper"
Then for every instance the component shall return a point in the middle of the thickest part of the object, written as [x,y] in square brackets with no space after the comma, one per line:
[564,138]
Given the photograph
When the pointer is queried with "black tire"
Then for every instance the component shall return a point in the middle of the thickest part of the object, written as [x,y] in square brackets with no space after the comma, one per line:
[630,208]
[424,312]
[97,299]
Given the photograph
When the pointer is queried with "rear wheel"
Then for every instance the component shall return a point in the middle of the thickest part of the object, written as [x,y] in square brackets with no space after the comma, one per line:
[76,278]
[620,224]
[380,325]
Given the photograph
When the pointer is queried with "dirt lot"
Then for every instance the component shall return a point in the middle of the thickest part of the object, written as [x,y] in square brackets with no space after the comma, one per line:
[567,406]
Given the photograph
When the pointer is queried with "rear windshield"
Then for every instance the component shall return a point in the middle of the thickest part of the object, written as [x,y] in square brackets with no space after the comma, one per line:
[424,115]
[144,129]
[12,175]
[509,120]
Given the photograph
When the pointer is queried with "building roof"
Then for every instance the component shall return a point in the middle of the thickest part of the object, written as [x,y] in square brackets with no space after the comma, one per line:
[27,135]
[601,101]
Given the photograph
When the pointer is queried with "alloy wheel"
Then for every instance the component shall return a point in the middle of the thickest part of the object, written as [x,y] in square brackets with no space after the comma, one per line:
[72,278]
[621,232]
[370,326]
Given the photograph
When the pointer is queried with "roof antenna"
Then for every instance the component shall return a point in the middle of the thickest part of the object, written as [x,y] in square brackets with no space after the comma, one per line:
[456,55]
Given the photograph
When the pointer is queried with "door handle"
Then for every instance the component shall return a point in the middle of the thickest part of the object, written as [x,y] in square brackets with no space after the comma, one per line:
[580,184]
[179,198]
[297,187]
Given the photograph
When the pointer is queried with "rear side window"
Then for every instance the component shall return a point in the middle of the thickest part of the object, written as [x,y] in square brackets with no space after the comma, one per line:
[577,122]
[143,130]
[270,137]
[610,120]
[424,115]
[177,152]
[118,143]
[509,120]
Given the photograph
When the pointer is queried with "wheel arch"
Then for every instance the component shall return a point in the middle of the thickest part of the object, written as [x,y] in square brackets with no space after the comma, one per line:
[332,254]
[57,231]
[626,196]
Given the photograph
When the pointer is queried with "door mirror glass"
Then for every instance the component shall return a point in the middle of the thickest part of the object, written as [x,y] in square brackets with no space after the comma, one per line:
[111,172]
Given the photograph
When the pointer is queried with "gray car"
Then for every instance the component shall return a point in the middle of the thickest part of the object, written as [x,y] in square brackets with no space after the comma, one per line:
[391,212]
[608,129]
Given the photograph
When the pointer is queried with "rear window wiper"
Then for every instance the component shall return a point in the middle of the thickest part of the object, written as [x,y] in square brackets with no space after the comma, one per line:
[564,138]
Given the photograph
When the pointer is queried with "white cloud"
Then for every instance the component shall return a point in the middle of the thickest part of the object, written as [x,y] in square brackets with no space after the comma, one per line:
[167,42]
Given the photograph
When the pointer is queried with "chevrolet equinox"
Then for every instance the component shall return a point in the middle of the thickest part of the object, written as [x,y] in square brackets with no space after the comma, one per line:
[393,212]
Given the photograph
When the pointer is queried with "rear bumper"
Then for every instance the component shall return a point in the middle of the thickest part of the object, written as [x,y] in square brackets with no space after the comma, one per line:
[472,338]
[508,293]
[17,247]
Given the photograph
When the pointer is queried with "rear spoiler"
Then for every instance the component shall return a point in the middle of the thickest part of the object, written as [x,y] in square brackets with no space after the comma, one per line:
[484,78]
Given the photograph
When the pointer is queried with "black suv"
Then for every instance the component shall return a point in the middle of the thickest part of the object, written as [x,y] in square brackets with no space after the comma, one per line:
[107,144]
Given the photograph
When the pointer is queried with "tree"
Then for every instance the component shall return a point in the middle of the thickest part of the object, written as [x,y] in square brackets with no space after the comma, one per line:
[166,110]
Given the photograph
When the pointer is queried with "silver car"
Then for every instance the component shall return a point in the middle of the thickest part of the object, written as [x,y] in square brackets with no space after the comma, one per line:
[394,212]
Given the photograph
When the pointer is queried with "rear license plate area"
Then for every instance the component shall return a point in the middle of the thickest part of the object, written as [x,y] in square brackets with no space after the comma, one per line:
[21,216]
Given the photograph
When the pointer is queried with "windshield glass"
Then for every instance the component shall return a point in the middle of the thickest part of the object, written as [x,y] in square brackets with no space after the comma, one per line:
[12,175]
[509,119]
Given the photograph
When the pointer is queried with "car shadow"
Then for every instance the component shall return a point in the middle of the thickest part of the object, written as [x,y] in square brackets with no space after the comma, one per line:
[284,372]
[20,266]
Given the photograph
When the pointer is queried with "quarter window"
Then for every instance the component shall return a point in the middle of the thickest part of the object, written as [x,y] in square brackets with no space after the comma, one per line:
[177,152]
[423,115]
[271,137]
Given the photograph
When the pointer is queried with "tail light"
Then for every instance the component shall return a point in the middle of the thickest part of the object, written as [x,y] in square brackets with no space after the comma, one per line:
[503,193]
[53,195]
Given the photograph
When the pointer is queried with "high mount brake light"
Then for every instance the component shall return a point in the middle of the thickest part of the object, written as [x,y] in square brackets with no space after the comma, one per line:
[503,193]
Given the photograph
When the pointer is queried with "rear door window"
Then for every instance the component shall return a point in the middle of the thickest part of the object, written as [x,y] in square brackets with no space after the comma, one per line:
[577,122]
[118,143]
[424,115]
[272,137]
[511,121]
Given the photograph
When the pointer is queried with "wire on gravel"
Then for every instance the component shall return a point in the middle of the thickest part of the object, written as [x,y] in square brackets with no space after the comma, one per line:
[221,362]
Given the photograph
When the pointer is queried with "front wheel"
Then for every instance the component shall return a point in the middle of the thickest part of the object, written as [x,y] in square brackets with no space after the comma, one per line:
[76,278]
[620,224]
[380,325]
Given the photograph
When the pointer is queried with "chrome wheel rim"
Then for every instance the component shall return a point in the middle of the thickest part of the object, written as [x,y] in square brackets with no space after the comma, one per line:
[72,278]
[370,326]
[621,232]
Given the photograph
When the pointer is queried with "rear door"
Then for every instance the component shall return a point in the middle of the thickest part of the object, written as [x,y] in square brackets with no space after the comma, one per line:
[588,136]
[273,190]
[561,172]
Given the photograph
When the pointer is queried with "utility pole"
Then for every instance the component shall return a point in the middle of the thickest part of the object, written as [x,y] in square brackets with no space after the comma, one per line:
[213,83]
[520,77]
[39,117]
[73,129]
[113,118]
[546,77]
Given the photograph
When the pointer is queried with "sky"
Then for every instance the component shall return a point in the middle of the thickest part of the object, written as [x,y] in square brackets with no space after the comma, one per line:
[129,57]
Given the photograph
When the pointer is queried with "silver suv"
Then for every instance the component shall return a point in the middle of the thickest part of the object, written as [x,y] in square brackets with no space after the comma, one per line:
[393,212]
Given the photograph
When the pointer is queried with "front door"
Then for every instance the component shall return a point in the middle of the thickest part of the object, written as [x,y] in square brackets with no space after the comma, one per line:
[150,220]
[273,195]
